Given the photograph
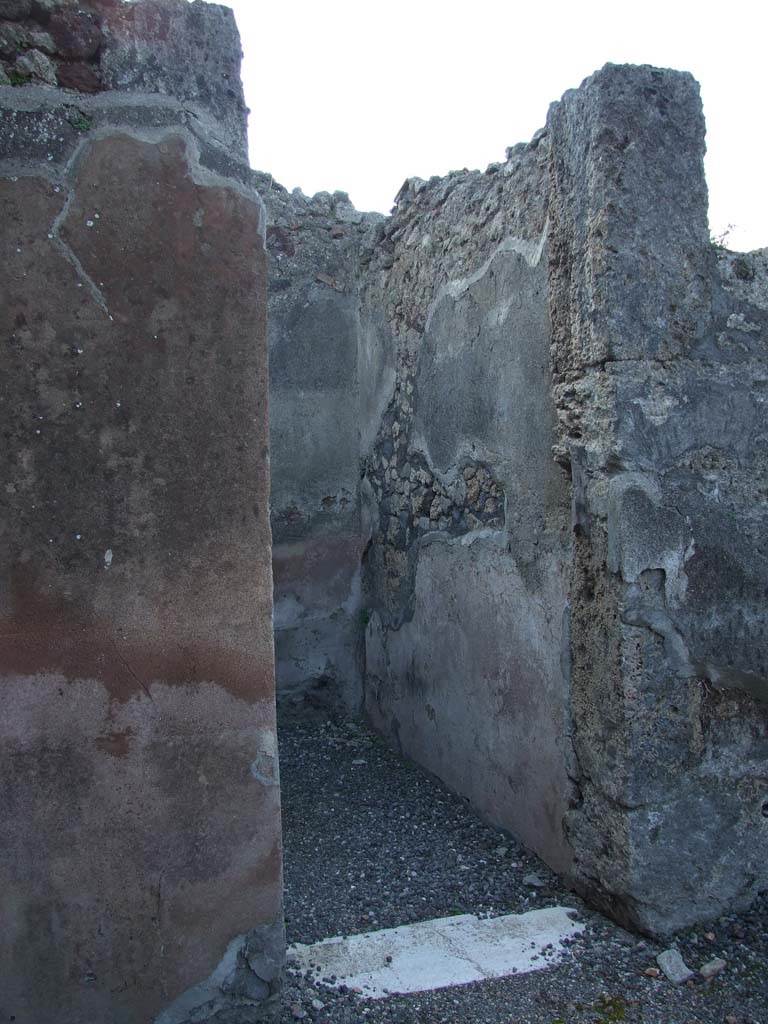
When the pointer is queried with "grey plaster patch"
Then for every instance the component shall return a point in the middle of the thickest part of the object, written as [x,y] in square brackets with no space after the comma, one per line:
[244,986]
[531,252]
[645,535]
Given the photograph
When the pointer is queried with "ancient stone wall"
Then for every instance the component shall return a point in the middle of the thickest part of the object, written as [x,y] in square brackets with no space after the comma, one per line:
[314,425]
[660,372]
[561,392]
[518,500]
[140,863]
[466,567]
[189,51]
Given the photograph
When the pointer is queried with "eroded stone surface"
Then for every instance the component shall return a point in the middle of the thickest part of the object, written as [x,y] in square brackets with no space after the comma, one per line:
[659,361]
[561,423]
[189,51]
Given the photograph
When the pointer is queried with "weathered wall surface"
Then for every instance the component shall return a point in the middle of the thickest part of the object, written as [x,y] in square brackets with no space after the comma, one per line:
[139,796]
[314,422]
[660,373]
[466,571]
[577,644]
[561,394]
[554,387]
[190,51]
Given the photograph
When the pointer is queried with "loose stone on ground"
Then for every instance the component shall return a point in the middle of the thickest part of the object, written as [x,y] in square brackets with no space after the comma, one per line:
[674,967]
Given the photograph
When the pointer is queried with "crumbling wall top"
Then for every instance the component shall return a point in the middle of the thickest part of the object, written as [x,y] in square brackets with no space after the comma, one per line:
[189,51]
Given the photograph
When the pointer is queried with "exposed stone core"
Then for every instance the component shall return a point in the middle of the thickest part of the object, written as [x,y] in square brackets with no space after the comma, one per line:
[659,372]
[187,50]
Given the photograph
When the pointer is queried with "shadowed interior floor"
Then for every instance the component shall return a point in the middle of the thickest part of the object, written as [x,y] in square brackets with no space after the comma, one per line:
[373,842]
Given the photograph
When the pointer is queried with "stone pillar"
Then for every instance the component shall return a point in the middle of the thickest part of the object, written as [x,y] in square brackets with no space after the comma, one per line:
[140,861]
[659,360]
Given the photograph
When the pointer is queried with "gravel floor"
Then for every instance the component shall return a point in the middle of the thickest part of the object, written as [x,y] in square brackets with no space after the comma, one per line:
[373,842]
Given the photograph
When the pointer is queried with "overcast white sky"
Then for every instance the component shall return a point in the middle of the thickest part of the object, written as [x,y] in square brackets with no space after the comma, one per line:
[357,95]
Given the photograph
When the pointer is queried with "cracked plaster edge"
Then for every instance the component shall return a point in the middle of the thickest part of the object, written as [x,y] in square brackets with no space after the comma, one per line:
[65,177]
[71,256]
[216,990]
[497,538]
[48,100]
[530,251]
[206,990]
[33,97]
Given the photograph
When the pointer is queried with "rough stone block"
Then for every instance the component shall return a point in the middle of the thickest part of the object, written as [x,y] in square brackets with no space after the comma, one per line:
[76,33]
[674,967]
[15,10]
[187,50]
[659,383]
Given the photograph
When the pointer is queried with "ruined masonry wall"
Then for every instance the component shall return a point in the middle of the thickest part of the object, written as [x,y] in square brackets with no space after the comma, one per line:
[140,864]
[659,364]
[314,426]
[468,514]
[188,51]
[562,504]
[518,502]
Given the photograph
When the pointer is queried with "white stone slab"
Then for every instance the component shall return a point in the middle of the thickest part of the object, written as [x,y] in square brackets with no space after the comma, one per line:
[441,953]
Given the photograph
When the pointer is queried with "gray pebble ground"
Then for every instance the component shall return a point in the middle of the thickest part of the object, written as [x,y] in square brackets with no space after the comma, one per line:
[371,842]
